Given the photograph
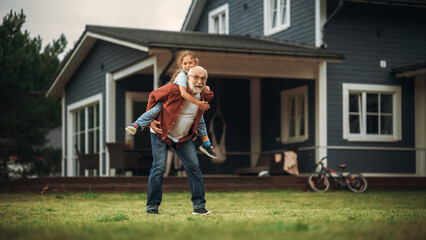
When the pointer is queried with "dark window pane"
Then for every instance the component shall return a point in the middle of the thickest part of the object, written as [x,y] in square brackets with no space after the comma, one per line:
[91,141]
[372,124]
[354,124]
[97,115]
[75,116]
[301,105]
[292,128]
[91,116]
[301,115]
[292,107]
[82,144]
[353,103]
[386,103]
[82,120]
[386,125]
[97,141]
[75,143]
[302,126]
[372,103]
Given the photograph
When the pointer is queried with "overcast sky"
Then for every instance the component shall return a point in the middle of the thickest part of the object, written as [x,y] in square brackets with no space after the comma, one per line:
[51,18]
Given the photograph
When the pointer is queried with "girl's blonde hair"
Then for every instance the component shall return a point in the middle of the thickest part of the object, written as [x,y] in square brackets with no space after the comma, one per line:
[180,59]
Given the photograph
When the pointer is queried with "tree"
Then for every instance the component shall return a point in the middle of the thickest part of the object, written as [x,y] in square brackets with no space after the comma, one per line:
[26,116]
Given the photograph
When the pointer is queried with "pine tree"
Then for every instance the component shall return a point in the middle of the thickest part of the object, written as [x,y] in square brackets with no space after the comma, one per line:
[26,116]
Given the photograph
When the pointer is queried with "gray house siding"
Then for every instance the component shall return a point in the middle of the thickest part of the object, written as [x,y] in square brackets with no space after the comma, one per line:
[366,34]
[302,23]
[89,79]
[247,18]
[271,119]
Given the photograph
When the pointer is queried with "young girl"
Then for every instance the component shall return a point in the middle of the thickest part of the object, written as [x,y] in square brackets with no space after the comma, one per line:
[185,61]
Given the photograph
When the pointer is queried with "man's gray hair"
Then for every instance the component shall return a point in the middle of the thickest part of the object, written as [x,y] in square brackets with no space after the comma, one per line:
[200,68]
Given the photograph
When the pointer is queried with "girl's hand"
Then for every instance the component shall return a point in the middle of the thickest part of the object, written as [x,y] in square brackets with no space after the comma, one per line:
[203,105]
[206,90]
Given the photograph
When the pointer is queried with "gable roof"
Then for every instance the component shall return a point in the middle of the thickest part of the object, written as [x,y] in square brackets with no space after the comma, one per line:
[145,39]
[193,15]
[211,42]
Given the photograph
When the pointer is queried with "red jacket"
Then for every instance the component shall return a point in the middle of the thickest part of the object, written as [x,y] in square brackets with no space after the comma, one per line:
[172,100]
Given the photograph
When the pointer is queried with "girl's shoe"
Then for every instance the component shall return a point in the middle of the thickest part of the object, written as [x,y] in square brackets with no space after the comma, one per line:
[132,129]
[209,151]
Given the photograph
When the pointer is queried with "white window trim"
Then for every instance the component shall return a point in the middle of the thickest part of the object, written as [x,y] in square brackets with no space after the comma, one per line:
[70,108]
[130,116]
[285,138]
[372,88]
[267,31]
[220,10]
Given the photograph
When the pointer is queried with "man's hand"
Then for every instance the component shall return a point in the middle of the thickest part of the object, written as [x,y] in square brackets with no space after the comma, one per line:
[155,125]
[203,105]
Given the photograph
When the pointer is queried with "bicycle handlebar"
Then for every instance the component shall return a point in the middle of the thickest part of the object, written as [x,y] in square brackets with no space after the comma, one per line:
[322,159]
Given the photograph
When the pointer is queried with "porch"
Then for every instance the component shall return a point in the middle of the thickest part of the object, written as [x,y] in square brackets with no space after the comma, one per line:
[173,184]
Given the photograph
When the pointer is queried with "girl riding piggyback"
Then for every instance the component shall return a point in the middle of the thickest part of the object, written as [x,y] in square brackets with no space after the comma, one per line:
[185,61]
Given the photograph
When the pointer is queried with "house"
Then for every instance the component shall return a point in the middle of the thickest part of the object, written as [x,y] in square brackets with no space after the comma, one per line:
[345,79]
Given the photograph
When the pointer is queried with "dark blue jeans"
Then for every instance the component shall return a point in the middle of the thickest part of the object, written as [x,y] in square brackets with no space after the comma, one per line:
[188,156]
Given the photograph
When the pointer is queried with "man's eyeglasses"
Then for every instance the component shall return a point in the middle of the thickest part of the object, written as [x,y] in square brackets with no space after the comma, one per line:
[198,77]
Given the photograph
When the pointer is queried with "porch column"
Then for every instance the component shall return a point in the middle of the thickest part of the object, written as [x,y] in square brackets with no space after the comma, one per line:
[64,132]
[255,120]
[321,112]
[420,124]
[109,119]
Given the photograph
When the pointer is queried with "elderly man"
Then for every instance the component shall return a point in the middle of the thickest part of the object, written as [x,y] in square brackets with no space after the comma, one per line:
[178,121]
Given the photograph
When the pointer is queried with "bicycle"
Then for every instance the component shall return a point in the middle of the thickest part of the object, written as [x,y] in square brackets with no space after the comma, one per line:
[318,180]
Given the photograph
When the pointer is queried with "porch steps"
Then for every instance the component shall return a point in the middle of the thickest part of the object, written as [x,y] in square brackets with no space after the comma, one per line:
[211,182]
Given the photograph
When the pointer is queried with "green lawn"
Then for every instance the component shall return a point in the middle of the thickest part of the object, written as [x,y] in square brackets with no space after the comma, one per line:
[235,215]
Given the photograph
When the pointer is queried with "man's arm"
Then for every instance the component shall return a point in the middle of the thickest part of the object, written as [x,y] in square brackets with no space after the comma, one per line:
[207,96]
[202,105]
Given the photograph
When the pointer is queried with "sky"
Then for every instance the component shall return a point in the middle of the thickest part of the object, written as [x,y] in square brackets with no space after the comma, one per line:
[50,18]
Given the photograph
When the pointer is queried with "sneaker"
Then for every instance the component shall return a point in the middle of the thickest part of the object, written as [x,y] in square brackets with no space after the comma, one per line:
[131,130]
[152,211]
[209,151]
[201,211]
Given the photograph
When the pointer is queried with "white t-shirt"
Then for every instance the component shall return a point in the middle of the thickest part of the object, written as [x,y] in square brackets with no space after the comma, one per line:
[185,120]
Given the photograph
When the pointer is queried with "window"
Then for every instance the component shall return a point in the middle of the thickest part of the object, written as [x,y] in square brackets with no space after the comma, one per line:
[86,129]
[84,126]
[276,16]
[371,112]
[294,115]
[85,132]
[218,20]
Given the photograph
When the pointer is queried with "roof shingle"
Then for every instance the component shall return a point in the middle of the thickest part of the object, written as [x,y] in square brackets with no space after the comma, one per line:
[211,42]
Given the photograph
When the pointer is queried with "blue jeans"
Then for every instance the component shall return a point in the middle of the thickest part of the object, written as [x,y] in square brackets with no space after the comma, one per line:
[188,156]
[146,118]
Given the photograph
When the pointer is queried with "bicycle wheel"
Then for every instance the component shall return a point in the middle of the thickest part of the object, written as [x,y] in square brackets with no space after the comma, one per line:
[356,182]
[318,182]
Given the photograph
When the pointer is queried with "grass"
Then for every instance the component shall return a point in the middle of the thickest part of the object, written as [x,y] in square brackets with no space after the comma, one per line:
[236,215]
